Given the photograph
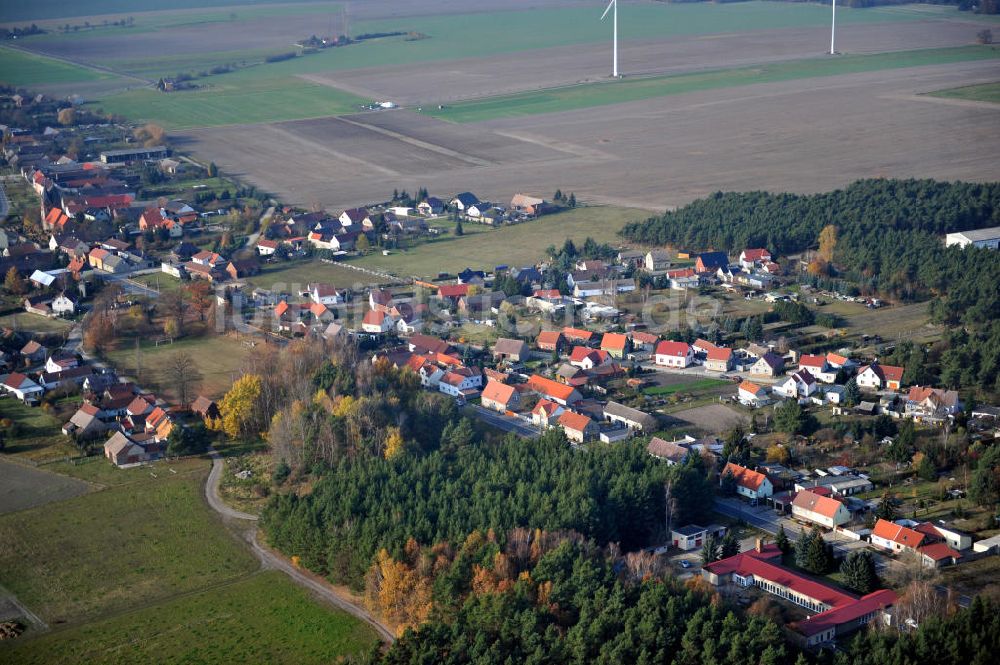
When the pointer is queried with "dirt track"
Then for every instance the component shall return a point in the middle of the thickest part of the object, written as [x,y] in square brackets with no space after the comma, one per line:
[804,136]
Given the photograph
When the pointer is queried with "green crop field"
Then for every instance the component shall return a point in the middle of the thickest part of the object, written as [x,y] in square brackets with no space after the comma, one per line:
[616,92]
[112,550]
[687,387]
[987,92]
[23,69]
[230,101]
[218,359]
[521,244]
[262,619]
[51,9]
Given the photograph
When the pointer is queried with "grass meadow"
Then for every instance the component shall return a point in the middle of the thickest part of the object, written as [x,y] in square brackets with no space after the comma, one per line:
[615,92]
[261,619]
[119,548]
[520,244]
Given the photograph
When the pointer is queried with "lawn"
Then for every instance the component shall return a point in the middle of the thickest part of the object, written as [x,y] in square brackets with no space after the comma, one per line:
[218,359]
[615,92]
[112,550]
[22,69]
[35,324]
[39,436]
[97,470]
[687,387]
[521,244]
[228,102]
[263,619]
[291,276]
[987,92]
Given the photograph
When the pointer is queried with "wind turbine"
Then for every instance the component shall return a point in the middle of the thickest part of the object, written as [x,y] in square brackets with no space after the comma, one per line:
[614,16]
[833,28]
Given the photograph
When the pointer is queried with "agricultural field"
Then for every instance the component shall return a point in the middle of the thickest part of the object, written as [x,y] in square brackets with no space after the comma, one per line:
[987,92]
[25,69]
[521,244]
[218,358]
[695,386]
[23,487]
[713,418]
[157,535]
[263,618]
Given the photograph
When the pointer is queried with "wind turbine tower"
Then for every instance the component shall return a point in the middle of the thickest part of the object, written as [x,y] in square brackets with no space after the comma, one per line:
[614,20]
[833,28]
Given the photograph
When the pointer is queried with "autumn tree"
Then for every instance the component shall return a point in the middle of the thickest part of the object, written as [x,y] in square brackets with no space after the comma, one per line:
[173,305]
[827,243]
[201,296]
[394,590]
[150,134]
[182,373]
[13,282]
[67,116]
[98,333]
[394,443]
[239,408]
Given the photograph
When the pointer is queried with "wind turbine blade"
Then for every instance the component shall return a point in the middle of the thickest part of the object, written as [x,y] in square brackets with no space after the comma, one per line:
[610,5]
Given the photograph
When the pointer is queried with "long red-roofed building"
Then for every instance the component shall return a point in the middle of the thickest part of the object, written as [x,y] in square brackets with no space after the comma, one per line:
[837,611]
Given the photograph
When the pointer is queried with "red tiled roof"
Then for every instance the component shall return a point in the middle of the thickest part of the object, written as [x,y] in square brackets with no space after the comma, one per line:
[680,273]
[847,612]
[577,334]
[667,348]
[548,293]
[498,392]
[750,387]
[836,359]
[453,290]
[644,338]
[550,388]
[574,421]
[807,360]
[614,341]
[719,353]
[815,503]
[548,337]
[898,534]
[547,407]
[373,318]
[939,551]
[756,254]
[744,476]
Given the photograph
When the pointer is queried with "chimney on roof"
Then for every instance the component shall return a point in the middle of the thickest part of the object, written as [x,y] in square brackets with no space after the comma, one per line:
[760,544]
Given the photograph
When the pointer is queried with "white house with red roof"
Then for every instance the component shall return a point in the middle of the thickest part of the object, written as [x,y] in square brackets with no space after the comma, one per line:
[578,427]
[923,539]
[799,385]
[587,358]
[818,509]
[500,396]
[553,390]
[752,395]
[461,382]
[376,323]
[324,294]
[751,484]
[751,258]
[718,359]
[546,413]
[880,377]
[21,387]
[818,367]
[674,354]
[683,279]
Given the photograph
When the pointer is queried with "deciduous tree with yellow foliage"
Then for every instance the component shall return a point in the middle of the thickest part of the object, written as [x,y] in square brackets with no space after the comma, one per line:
[239,407]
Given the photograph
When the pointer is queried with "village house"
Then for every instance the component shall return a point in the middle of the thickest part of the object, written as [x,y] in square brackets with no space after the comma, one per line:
[38,305]
[932,404]
[357,217]
[464,201]
[683,279]
[920,540]
[85,423]
[430,206]
[546,413]
[672,452]
[206,408]
[578,336]
[799,385]
[578,427]
[461,382]
[553,390]
[754,258]
[710,262]
[63,305]
[750,484]
[632,418]
[841,485]
[818,509]
[550,340]
[123,450]
[674,354]
[33,352]
[267,247]
[837,612]
[376,323]
[617,345]
[693,537]
[21,387]
[880,377]
[324,294]
[769,365]
[657,260]
[818,366]
[513,350]
[500,397]
[529,205]
[752,395]
[587,358]
[719,359]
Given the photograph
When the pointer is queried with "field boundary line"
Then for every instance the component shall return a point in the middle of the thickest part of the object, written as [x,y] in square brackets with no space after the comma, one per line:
[425,145]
